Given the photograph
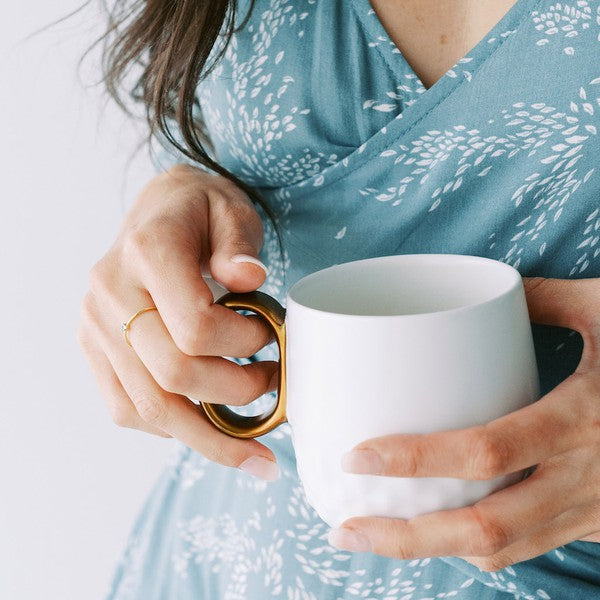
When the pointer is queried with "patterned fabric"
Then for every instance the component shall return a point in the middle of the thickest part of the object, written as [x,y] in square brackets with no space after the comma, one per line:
[315,106]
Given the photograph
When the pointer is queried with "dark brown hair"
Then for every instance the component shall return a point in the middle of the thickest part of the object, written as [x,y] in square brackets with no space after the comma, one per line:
[154,53]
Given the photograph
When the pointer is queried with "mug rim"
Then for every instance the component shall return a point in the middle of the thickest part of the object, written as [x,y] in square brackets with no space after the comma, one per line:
[449,257]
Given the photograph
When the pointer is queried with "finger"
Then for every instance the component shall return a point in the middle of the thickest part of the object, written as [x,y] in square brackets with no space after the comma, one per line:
[236,236]
[572,303]
[177,415]
[572,525]
[568,303]
[120,406]
[183,419]
[485,528]
[165,263]
[207,378]
[561,420]
[594,537]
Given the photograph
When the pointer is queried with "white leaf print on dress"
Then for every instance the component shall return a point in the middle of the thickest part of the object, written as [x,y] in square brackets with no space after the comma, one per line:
[548,192]
[248,133]
[227,547]
[591,235]
[528,129]
[405,93]
[563,21]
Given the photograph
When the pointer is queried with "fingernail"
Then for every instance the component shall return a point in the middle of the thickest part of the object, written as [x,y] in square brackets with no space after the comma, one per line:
[242,258]
[347,539]
[261,467]
[364,461]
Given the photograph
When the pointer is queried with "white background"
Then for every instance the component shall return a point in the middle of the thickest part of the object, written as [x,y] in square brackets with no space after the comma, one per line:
[71,482]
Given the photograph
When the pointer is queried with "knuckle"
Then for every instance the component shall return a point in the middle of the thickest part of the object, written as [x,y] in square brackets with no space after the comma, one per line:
[248,389]
[151,408]
[217,453]
[532,283]
[138,243]
[236,211]
[195,333]
[490,455]
[233,204]
[492,564]
[181,169]
[171,372]
[99,277]
[244,210]
[240,244]
[240,220]
[121,415]
[249,220]
[410,461]
[87,312]
[227,192]
[397,533]
[150,247]
[400,550]
[491,537]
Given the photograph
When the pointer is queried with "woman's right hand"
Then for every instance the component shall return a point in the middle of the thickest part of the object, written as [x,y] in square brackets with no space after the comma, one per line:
[184,222]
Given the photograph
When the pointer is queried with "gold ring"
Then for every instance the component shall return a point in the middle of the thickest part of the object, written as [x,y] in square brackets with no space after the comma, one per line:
[127,324]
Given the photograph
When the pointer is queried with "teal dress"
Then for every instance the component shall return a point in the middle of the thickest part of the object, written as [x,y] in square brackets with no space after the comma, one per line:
[315,107]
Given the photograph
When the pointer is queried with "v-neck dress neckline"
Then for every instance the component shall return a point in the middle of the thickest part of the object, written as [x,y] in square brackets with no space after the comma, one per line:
[474,57]
[424,101]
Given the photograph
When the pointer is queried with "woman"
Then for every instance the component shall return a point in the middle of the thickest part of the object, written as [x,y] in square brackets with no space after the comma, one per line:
[363,128]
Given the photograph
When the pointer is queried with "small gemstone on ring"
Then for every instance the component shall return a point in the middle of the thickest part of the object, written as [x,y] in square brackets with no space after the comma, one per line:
[123,327]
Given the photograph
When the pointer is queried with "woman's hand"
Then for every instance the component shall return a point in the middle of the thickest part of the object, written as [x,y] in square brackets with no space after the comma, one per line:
[183,223]
[560,433]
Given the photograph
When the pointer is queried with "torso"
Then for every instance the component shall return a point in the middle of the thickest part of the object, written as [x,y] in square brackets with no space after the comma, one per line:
[499,160]
[434,35]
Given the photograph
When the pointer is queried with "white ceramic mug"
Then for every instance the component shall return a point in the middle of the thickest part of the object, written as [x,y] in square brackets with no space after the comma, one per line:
[396,344]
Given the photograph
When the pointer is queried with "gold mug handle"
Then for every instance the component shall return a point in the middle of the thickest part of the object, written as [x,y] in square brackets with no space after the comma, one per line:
[223,417]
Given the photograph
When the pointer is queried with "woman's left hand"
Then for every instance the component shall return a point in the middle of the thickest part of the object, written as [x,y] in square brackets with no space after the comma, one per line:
[560,433]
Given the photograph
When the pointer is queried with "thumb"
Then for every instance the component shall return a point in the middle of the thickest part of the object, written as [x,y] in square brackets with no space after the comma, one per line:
[568,303]
[236,234]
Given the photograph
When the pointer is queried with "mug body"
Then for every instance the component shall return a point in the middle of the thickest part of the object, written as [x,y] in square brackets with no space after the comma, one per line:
[401,344]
